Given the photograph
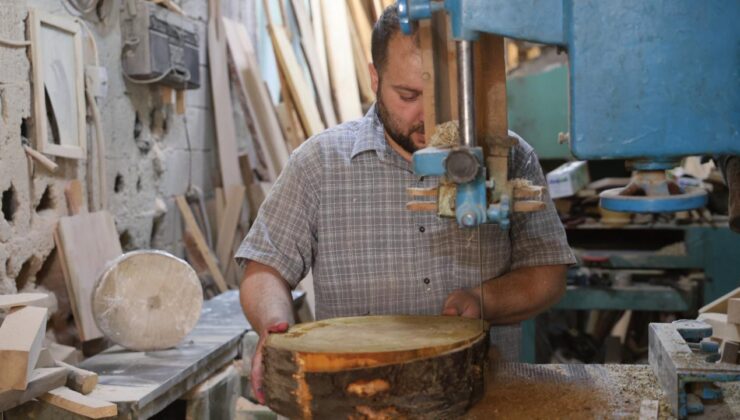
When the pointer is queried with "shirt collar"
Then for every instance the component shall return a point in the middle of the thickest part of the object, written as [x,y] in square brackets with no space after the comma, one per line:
[371,136]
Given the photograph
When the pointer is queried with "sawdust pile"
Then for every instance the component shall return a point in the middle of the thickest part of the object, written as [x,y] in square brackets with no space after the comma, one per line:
[446,134]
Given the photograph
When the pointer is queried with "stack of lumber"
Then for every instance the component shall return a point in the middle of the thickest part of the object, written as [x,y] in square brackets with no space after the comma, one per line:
[29,371]
[723,315]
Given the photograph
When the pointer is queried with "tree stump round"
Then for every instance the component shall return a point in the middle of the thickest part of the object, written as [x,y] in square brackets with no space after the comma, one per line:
[147,300]
[377,367]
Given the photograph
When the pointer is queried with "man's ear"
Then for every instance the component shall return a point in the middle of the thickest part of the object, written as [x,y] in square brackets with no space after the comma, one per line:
[373,77]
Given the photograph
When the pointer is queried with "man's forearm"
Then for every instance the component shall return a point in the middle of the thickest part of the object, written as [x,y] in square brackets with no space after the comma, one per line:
[522,293]
[265,297]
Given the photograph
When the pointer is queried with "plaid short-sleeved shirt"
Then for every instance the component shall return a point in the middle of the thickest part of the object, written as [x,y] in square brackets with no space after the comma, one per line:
[339,208]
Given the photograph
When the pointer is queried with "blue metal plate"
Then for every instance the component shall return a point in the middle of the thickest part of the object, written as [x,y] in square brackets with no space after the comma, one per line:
[611,200]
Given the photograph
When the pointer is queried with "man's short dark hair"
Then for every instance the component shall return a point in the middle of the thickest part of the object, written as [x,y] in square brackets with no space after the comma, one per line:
[384,30]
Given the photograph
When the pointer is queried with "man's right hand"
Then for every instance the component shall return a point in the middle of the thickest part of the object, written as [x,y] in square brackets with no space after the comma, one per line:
[257,368]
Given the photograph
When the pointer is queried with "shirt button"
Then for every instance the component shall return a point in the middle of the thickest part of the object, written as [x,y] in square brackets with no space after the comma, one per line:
[421,229]
[427,281]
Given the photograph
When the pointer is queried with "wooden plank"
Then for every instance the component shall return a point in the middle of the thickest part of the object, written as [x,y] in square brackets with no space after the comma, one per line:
[720,304]
[264,108]
[721,329]
[77,403]
[45,359]
[200,242]
[146,382]
[361,64]
[75,198]
[67,354]
[86,242]
[227,229]
[319,75]
[25,299]
[341,62]
[733,311]
[362,26]
[41,381]
[299,88]
[317,20]
[223,111]
[21,336]
[271,150]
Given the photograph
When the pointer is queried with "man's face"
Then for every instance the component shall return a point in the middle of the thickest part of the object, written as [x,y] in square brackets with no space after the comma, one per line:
[398,88]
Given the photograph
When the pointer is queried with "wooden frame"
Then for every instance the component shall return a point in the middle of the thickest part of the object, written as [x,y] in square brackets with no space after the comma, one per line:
[65,67]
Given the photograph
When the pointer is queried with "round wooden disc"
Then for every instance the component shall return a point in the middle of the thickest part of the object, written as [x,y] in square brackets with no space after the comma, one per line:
[365,341]
[147,300]
[376,367]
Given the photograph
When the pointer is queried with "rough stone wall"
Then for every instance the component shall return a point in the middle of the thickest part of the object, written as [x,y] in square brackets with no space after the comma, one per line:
[147,154]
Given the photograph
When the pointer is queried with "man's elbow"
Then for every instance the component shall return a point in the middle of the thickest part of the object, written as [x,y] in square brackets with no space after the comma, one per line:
[555,283]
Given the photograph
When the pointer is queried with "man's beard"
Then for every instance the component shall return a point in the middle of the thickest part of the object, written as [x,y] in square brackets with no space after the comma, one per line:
[403,139]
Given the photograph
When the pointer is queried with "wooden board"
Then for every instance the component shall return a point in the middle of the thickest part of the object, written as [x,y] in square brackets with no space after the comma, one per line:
[317,20]
[363,26]
[42,380]
[223,112]
[21,336]
[200,242]
[67,354]
[75,402]
[720,327]
[733,311]
[429,92]
[720,304]
[86,242]
[147,300]
[340,59]
[227,229]
[318,74]
[146,382]
[361,64]
[299,88]
[394,366]
[25,299]
[75,198]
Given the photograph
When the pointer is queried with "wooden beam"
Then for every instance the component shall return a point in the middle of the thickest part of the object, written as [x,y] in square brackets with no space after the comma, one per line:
[21,336]
[720,304]
[733,311]
[77,403]
[227,229]
[200,242]
[25,299]
[428,74]
[341,62]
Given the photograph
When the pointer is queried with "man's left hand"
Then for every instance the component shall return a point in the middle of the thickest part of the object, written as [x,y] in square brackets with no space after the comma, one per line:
[462,302]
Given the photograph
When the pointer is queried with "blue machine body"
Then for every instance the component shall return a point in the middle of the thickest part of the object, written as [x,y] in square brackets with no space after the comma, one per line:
[655,80]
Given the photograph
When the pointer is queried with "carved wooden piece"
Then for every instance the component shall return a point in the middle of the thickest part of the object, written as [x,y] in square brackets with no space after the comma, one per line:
[392,366]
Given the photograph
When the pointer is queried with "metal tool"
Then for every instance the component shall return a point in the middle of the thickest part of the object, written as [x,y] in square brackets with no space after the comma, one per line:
[685,365]
[636,90]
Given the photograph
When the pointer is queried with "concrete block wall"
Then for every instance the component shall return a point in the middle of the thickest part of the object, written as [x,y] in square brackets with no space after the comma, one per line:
[152,153]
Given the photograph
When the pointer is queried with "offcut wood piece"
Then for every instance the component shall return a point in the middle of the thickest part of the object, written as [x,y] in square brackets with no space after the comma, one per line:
[720,304]
[25,299]
[66,354]
[80,380]
[86,243]
[310,51]
[21,336]
[75,198]
[223,111]
[75,402]
[147,300]
[720,327]
[340,59]
[45,360]
[44,161]
[361,64]
[58,85]
[227,229]
[200,242]
[42,380]
[733,311]
[393,366]
[299,88]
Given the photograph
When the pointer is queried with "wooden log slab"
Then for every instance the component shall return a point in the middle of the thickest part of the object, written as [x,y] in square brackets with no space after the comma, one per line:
[147,300]
[377,367]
